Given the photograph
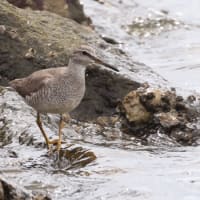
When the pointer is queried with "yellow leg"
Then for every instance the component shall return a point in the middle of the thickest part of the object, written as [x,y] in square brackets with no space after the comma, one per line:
[55,141]
[39,123]
[61,126]
[66,117]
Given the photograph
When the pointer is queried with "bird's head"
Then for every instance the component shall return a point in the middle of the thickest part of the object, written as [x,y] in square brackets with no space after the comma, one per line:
[86,55]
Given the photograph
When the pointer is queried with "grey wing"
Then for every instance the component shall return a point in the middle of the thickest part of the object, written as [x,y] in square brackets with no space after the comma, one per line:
[31,84]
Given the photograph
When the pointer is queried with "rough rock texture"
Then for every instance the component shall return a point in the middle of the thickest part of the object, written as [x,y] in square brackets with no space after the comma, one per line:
[134,110]
[148,111]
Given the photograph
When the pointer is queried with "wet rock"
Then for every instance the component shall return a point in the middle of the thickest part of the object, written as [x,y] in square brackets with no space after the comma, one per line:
[12,154]
[168,120]
[103,92]
[109,40]
[112,133]
[191,98]
[186,136]
[100,1]
[72,157]
[107,121]
[159,111]
[133,109]
[156,100]
[12,191]
[4,137]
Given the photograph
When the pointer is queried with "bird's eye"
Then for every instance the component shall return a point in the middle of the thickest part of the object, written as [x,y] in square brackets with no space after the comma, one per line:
[84,53]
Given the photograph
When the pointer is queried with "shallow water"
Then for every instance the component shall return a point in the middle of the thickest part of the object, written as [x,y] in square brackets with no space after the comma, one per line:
[118,174]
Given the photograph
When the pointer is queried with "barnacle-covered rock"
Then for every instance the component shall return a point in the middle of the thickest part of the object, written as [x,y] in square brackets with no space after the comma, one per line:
[133,108]
[147,111]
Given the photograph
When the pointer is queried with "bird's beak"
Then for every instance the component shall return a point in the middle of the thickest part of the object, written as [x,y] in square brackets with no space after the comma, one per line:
[97,60]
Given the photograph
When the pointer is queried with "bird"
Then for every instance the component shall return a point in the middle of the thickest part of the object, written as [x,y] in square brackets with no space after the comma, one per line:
[58,90]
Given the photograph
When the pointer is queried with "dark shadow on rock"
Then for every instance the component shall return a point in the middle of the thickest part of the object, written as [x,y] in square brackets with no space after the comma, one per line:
[104,90]
[147,111]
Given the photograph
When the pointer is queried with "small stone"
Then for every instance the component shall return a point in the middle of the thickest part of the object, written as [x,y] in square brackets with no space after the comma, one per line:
[134,110]
[107,121]
[13,34]
[110,40]
[179,98]
[30,54]
[52,54]
[12,154]
[2,29]
[168,120]
[183,137]
[100,1]
[191,98]
[1,191]
[112,134]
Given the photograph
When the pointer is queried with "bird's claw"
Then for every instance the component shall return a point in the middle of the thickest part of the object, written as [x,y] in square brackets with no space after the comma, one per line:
[56,142]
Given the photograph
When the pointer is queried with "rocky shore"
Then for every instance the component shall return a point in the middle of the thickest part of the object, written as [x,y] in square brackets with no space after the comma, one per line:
[118,110]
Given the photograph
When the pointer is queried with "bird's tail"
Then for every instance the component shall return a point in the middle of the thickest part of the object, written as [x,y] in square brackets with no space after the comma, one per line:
[17,84]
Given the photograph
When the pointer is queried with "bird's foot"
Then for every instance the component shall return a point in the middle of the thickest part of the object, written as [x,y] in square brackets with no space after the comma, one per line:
[58,145]
[56,142]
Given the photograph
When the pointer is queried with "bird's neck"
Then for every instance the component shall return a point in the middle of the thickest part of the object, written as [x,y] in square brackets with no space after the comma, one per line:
[76,68]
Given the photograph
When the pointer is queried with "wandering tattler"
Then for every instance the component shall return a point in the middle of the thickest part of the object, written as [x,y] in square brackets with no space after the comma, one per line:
[57,90]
